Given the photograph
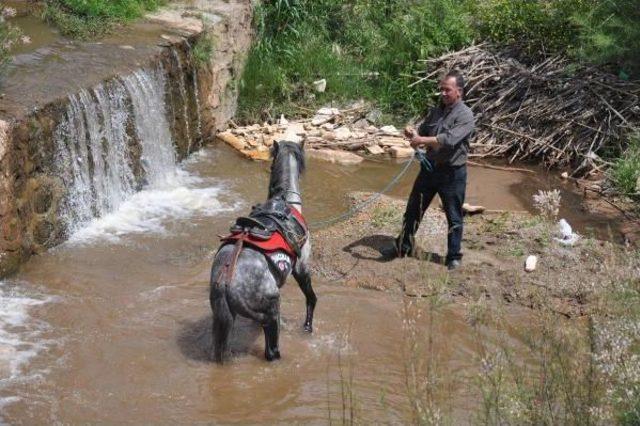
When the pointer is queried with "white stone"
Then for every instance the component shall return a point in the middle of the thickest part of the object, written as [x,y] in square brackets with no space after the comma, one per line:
[531,263]
[328,111]
[342,133]
[389,131]
[401,152]
[283,121]
[332,156]
[374,150]
[320,85]
[318,120]
[391,141]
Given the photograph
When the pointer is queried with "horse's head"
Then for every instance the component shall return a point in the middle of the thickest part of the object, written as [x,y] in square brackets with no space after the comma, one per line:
[288,164]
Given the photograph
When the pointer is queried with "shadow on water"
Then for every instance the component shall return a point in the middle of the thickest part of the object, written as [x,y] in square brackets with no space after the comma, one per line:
[381,243]
[195,338]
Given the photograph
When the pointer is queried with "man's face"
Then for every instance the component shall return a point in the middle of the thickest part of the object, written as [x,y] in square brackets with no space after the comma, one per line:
[450,93]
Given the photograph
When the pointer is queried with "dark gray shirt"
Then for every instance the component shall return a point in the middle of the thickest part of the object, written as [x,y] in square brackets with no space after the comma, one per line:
[453,127]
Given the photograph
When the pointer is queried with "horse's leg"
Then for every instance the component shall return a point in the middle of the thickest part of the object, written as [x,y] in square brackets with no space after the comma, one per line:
[303,276]
[272,331]
[271,334]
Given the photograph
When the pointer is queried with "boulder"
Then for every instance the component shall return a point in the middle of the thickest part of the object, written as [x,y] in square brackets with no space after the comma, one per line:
[391,141]
[332,156]
[374,150]
[401,152]
[256,155]
[320,119]
[320,85]
[232,140]
[342,134]
[374,116]
[389,131]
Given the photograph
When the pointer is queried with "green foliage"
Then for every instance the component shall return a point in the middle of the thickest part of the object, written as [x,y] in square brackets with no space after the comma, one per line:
[363,48]
[9,36]
[609,33]
[91,18]
[203,49]
[626,169]
[537,27]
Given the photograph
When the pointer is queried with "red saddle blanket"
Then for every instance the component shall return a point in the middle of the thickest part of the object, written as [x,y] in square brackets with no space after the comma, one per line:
[275,243]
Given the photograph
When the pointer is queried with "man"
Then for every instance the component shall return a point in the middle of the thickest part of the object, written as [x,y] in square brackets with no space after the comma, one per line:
[444,134]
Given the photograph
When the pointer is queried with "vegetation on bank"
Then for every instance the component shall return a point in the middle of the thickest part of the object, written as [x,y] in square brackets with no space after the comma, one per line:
[370,48]
[92,18]
[9,36]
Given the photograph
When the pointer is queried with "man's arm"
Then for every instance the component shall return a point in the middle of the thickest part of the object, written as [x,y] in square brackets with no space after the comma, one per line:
[462,127]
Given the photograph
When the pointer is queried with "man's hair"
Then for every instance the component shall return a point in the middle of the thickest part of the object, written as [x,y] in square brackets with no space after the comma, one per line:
[459,79]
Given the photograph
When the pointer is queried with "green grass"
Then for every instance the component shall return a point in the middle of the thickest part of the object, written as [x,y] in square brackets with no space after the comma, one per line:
[626,170]
[203,49]
[370,49]
[93,18]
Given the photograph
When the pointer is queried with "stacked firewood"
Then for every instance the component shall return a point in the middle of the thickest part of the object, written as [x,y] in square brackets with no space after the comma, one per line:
[566,115]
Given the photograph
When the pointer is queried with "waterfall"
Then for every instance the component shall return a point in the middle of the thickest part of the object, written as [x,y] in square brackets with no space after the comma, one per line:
[182,84]
[96,156]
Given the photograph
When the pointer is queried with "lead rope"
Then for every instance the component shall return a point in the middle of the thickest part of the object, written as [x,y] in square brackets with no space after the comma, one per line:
[359,206]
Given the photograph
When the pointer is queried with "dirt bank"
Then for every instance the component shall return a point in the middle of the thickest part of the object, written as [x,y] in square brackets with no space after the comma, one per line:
[495,246]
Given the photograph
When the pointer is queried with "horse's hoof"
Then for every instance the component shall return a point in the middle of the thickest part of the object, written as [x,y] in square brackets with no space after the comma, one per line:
[308,328]
[272,356]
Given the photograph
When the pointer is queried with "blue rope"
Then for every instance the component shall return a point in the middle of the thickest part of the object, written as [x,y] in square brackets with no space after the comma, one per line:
[358,207]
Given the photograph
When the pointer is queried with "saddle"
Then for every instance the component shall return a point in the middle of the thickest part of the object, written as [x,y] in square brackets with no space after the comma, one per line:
[270,225]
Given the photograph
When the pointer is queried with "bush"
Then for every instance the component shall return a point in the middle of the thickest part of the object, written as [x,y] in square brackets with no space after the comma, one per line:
[9,36]
[363,48]
[91,18]
[609,34]
[626,169]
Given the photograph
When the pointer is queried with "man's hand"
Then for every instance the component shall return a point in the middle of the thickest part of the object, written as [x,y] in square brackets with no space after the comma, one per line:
[409,132]
[429,142]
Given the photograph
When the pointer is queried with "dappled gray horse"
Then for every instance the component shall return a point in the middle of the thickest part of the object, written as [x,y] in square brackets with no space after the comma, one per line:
[247,272]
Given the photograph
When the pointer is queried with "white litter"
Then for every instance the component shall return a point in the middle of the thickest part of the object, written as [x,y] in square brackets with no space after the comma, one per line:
[566,236]
[531,263]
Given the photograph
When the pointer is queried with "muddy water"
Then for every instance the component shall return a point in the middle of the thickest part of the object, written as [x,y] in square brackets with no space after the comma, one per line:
[114,325]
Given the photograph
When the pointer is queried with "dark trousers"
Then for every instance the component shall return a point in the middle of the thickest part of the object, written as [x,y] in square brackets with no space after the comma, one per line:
[450,184]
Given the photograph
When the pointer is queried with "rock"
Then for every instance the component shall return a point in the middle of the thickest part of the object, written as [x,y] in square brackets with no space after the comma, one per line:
[470,209]
[315,133]
[359,135]
[319,120]
[531,263]
[401,152]
[328,111]
[327,126]
[320,85]
[332,156]
[374,150]
[361,124]
[329,136]
[374,116]
[389,131]
[232,140]
[283,121]
[256,155]
[390,141]
[342,133]
[252,142]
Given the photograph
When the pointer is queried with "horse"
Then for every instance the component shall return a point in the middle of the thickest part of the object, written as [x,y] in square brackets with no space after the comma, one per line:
[244,280]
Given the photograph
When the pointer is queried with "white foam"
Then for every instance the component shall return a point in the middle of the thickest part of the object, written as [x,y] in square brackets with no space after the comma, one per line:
[150,210]
[20,335]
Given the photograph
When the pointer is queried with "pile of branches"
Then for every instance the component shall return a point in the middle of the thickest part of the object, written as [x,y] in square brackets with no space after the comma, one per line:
[568,116]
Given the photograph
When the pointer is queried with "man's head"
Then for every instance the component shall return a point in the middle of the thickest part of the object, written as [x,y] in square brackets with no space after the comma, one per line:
[451,88]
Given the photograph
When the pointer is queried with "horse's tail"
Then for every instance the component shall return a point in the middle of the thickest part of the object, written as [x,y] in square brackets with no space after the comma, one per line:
[222,317]
[222,321]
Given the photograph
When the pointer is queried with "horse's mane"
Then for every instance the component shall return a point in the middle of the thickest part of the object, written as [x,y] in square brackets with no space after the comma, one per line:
[280,164]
